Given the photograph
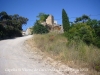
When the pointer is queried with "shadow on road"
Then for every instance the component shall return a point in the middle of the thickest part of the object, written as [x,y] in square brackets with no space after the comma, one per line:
[9,38]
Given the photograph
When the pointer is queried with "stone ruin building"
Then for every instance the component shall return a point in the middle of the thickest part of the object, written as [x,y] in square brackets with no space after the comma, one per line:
[50,20]
[52,25]
[27,32]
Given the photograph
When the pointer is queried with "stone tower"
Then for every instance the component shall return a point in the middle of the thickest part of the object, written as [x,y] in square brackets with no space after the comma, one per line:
[50,20]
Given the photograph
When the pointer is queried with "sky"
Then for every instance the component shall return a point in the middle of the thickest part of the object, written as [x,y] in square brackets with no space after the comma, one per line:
[31,8]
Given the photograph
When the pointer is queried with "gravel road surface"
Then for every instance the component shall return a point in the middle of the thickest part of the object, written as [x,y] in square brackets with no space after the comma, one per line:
[14,59]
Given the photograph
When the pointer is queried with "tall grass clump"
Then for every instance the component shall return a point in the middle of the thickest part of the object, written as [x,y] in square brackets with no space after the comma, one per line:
[81,37]
[58,47]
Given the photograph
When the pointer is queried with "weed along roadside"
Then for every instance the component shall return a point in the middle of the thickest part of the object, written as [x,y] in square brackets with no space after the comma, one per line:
[75,44]
[74,54]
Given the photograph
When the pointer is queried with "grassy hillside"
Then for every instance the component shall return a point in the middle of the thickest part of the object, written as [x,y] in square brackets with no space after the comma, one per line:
[74,54]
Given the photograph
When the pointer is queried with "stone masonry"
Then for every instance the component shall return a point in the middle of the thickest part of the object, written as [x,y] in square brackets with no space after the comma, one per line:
[52,25]
[50,20]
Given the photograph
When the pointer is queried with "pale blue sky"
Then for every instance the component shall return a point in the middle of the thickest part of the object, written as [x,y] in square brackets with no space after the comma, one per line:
[31,8]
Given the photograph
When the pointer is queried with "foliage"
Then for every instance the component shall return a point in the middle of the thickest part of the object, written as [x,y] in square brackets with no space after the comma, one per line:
[42,17]
[11,25]
[95,24]
[65,21]
[81,31]
[39,28]
[86,29]
[83,19]
[58,47]
[96,41]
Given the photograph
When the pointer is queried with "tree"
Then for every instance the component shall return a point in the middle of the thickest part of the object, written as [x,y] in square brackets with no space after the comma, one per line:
[95,24]
[83,19]
[82,28]
[11,25]
[81,31]
[78,19]
[65,21]
[39,28]
[42,17]
[18,21]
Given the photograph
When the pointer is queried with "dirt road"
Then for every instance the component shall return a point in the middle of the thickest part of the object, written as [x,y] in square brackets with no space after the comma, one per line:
[15,60]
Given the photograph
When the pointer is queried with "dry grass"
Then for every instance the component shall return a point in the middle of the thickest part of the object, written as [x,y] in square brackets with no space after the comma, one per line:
[73,54]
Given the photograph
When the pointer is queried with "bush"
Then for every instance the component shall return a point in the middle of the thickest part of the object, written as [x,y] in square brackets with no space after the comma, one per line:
[39,29]
[2,30]
[81,31]
[96,41]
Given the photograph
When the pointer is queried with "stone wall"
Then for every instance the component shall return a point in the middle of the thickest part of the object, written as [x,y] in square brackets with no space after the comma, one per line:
[50,20]
[28,31]
[52,25]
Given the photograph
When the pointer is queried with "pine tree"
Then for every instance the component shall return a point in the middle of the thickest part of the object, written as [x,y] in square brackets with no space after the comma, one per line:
[65,21]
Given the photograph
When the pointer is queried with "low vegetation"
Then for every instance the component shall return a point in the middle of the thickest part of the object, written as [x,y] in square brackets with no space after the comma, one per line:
[79,53]
[80,42]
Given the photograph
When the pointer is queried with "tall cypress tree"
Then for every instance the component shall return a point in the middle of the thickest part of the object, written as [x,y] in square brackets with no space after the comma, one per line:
[65,21]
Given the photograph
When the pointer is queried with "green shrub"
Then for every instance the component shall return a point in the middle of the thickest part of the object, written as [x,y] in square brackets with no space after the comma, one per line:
[1,31]
[39,29]
[96,41]
[81,31]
